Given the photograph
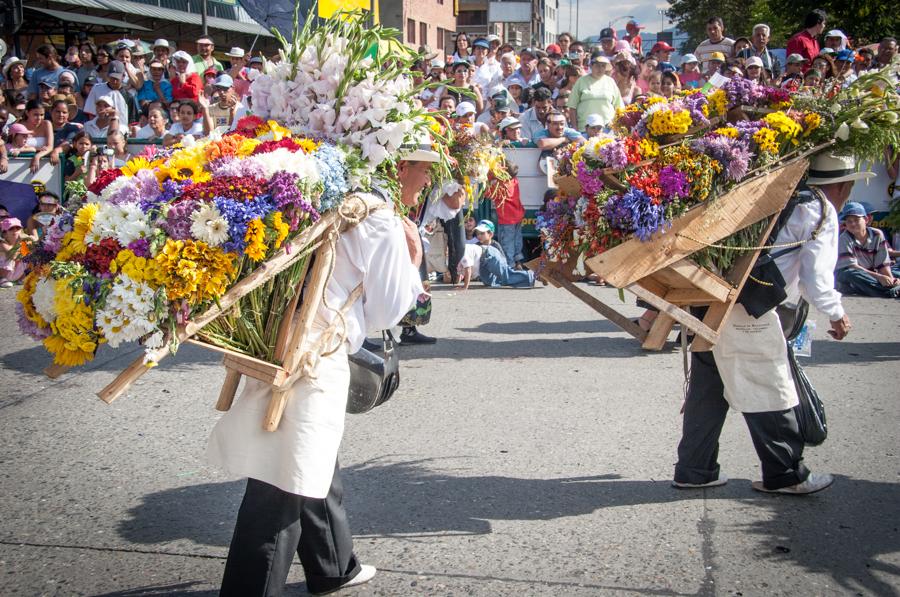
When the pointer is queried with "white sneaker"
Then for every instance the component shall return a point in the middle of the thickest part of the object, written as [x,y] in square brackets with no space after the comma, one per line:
[814,482]
[722,480]
[6,284]
[365,574]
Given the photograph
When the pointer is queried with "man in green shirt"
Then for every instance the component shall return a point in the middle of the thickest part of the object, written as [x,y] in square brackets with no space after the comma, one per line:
[204,58]
[594,93]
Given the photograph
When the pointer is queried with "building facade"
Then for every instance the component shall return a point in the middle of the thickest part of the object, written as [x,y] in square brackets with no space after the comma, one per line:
[429,23]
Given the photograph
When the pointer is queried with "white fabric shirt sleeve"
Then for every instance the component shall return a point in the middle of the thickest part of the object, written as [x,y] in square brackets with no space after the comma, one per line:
[809,270]
[436,209]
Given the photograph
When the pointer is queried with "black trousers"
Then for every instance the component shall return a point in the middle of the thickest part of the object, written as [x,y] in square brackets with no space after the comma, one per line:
[272,525]
[775,434]
[456,243]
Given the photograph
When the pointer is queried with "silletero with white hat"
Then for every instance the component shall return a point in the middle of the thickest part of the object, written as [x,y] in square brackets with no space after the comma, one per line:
[420,150]
[828,168]
[235,53]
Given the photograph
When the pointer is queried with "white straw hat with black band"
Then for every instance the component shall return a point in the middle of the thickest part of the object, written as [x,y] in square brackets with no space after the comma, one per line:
[827,168]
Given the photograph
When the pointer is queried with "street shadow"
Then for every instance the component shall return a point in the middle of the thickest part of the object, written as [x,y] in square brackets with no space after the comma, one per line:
[35,359]
[177,589]
[464,348]
[594,326]
[828,352]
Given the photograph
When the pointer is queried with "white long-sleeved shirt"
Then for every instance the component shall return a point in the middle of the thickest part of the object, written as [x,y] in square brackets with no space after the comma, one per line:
[809,270]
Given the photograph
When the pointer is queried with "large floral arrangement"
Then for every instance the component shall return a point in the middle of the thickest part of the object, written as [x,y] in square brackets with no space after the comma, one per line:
[477,163]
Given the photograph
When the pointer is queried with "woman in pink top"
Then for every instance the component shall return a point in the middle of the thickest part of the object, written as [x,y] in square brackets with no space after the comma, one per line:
[648,67]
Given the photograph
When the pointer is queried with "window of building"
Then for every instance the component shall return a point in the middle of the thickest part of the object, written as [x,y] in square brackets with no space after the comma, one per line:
[423,33]
[441,41]
[469,18]
[410,31]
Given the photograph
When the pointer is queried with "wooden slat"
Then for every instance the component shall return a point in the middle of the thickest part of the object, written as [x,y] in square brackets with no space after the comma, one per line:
[687,274]
[659,332]
[53,370]
[690,296]
[652,284]
[315,292]
[680,315]
[714,318]
[229,389]
[708,222]
[255,368]
[276,408]
[597,305]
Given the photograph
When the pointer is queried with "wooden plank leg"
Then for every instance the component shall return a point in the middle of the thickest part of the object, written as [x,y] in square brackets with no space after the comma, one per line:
[120,385]
[229,389]
[599,306]
[276,408]
[678,314]
[715,316]
[53,370]
[659,332]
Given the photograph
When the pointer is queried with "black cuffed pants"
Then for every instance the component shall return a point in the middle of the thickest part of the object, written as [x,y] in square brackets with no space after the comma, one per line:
[456,244]
[775,434]
[273,525]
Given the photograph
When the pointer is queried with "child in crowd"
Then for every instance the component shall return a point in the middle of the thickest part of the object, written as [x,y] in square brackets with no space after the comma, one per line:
[471,238]
[691,78]
[48,209]
[12,268]
[510,214]
[864,265]
[77,158]
[487,262]
[117,142]
[18,140]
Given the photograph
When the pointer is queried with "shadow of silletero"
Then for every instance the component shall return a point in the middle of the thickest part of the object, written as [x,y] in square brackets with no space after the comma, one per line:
[829,352]
[175,590]
[465,348]
[596,326]
[843,533]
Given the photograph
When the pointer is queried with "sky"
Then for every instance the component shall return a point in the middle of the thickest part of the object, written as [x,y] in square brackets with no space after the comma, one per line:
[596,15]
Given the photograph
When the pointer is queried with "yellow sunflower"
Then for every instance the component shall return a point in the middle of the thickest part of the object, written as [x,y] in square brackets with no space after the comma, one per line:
[187,166]
[135,165]
[73,242]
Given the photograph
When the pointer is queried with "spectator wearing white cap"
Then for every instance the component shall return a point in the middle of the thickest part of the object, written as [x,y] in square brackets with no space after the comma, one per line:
[836,40]
[111,89]
[464,115]
[226,108]
[204,58]
[690,74]
[593,126]
[759,46]
[715,41]
[107,119]
[753,67]
[594,93]
[156,88]
[527,70]
[238,72]
[511,133]
[161,50]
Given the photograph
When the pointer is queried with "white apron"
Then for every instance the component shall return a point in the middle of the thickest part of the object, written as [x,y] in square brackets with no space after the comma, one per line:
[751,356]
[298,457]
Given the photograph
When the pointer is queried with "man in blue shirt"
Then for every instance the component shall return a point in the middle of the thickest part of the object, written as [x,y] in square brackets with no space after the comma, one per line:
[48,69]
[556,133]
[156,88]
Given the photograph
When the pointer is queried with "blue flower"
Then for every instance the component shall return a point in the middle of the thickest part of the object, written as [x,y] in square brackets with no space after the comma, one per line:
[333,170]
[239,214]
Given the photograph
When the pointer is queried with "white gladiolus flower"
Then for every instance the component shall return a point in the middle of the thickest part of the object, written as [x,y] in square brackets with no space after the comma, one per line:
[843,132]
[859,125]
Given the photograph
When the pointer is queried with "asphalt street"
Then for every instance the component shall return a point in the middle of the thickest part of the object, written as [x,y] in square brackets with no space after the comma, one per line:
[528,452]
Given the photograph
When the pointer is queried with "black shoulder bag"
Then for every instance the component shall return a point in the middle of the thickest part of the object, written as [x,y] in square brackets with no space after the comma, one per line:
[373,379]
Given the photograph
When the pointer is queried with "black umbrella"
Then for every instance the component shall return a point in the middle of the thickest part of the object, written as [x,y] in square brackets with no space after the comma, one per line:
[277,13]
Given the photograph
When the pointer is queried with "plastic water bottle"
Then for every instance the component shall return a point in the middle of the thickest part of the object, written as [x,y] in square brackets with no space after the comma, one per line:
[802,344]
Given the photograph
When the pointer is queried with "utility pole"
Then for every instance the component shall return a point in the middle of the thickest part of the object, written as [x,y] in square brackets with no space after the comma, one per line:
[577,18]
[203,18]
[662,25]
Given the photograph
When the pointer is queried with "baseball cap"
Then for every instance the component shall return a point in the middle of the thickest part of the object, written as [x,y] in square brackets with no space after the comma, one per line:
[465,108]
[104,99]
[594,120]
[49,81]
[485,226]
[845,56]
[205,39]
[836,33]
[666,67]
[662,46]
[607,33]
[255,60]
[116,69]
[826,51]
[437,63]
[501,104]
[91,80]
[600,59]
[481,43]
[235,53]
[17,128]
[161,43]
[688,59]
[509,121]
[717,56]
[224,81]
[156,64]
[529,51]
[514,80]
[633,23]
[10,223]
[211,71]
[554,49]
[753,61]
[794,59]
[492,38]
[853,208]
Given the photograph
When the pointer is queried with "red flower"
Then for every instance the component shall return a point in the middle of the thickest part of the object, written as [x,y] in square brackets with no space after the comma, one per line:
[103,179]
[97,257]
[239,188]
[248,124]
[267,146]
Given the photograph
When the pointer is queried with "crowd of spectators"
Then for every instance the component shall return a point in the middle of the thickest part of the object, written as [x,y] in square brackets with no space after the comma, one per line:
[89,102]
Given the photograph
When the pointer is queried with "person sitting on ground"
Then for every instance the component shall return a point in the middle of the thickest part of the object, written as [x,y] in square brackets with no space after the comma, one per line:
[12,268]
[556,133]
[487,262]
[864,265]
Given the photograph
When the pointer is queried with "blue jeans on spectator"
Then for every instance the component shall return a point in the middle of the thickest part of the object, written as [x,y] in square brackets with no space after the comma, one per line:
[851,280]
[494,271]
[510,237]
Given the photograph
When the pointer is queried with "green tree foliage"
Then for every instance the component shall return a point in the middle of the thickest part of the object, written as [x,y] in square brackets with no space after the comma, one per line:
[865,21]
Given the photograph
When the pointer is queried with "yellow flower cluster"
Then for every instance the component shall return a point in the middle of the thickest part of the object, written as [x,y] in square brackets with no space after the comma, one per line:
[73,242]
[281,228]
[811,122]
[727,131]
[719,102]
[649,148]
[667,122]
[74,340]
[26,292]
[194,271]
[256,240]
[656,99]
[135,165]
[766,140]
[185,165]
[139,269]
[784,125]
[306,145]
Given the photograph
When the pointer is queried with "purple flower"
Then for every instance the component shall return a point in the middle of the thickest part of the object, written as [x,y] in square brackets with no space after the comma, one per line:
[178,220]
[238,167]
[28,327]
[140,247]
[613,154]
[694,103]
[590,181]
[635,211]
[170,190]
[140,188]
[288,198]
[743,92]
[733,154]
[674,183]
